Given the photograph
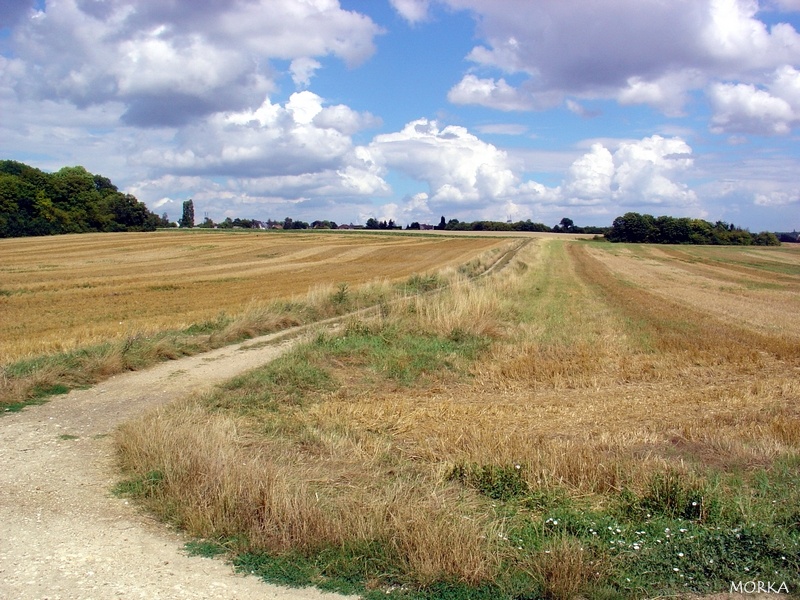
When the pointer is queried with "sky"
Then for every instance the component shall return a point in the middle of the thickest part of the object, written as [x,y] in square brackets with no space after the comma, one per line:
[415,109]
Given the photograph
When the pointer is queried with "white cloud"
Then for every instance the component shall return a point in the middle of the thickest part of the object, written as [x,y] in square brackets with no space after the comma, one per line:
[784,5]
[735,37]
[778,198]
[668,93]
[412,11]
[646,172]
[299,150]
[465,174]
[744,108]
[590,177]
[456,165]
[620,49]
[172,62]
[303,70]
[345,120]
[489,92]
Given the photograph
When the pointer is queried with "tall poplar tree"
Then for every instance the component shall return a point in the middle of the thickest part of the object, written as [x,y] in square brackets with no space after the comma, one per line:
[187,220]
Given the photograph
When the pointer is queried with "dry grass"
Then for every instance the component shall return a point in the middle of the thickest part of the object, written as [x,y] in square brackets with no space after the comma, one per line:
[61,292]
[592,384]
[564,568]
[267,494]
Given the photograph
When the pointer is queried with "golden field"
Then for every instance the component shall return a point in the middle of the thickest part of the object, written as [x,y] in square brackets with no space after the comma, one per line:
[60,292]
[653,388]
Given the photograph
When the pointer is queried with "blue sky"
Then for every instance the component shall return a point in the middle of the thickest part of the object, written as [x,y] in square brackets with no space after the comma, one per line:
[414,109]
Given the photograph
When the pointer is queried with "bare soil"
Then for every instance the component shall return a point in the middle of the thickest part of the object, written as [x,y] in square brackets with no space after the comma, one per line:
[64,535]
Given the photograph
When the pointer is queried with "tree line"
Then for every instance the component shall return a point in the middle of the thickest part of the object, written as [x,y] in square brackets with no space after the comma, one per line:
[647,229]
[72,200]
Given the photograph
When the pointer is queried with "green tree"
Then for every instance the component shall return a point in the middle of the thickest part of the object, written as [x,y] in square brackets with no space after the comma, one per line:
[766,238]
[566,225]
[187,220]
[633,227]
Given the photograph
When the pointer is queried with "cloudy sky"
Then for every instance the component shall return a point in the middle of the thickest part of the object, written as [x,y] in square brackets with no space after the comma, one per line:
[414,109]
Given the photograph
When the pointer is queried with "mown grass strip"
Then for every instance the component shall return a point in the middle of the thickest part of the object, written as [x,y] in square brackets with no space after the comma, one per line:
[672,326]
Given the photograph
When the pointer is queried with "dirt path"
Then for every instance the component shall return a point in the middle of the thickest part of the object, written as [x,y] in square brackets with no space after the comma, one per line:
[63,535]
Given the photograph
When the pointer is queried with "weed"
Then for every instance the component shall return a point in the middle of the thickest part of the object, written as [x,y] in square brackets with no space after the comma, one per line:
[423,283]
[204,548]
[675,495]
[495,481]
[342,295]
[45,390]
[143,487]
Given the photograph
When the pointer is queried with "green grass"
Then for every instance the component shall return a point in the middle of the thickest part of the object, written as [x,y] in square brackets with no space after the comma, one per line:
[354,570]
[205,548]
[405,358]
[381,354]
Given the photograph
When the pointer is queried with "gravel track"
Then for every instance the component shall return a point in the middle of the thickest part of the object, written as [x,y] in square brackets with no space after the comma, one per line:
[64,536]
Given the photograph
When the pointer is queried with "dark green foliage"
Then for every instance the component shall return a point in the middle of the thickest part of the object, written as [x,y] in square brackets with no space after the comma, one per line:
[72,200]
[341,296]
[670,494]
[373,223]
[499,482]
[346,569]
[187,217]
[528,225]
[204,548]
[646,229]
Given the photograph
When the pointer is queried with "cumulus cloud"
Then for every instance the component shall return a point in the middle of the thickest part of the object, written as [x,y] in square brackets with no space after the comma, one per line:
[636,173]
[647,172]
[170,62]
[457,166]
[302,137]
[303,70]
[620,49]
[589,178]
[744,108]
[466,174]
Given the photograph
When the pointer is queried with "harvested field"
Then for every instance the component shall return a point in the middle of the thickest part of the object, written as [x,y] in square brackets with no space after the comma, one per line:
[592,421]
[60,292]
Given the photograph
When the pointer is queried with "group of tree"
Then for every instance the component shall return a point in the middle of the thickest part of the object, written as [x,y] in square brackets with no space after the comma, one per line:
[456,225]
[72,200]
[565,226]
[638,228]
[373,223]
